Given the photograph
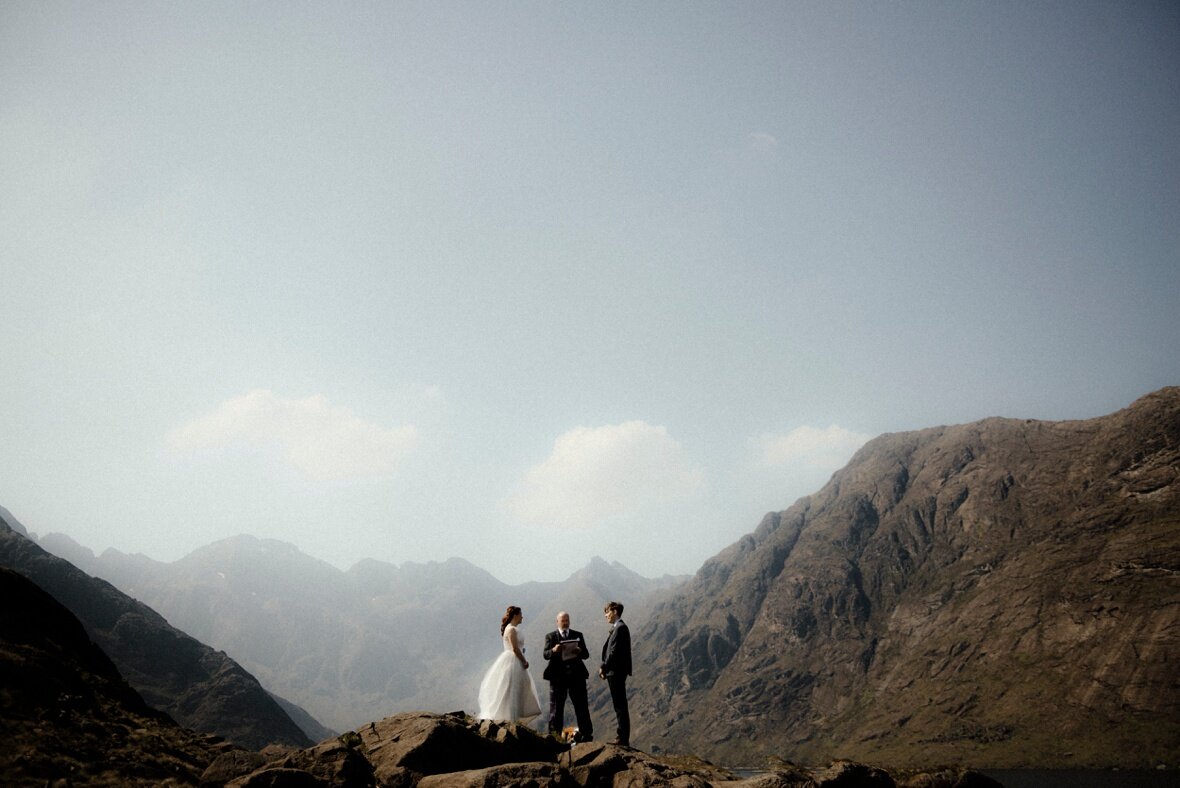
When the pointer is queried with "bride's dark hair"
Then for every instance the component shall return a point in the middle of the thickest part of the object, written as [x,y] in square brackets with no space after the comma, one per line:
[511,614]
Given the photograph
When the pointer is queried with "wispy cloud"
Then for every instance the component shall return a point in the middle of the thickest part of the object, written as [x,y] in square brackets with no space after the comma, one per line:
[594,473]
[760,144]
[323,441]
[751,153]
[810,447]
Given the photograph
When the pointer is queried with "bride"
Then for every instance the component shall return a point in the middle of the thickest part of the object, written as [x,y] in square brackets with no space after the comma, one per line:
[507,692]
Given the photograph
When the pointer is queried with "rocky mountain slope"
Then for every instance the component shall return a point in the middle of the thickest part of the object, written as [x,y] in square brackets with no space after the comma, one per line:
[67,714]
[200,688]
[1002,593]
[359,645]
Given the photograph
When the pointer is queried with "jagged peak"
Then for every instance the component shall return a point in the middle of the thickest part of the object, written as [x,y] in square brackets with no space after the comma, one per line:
[114,554]
[599,568]
[57,537]
[11,521]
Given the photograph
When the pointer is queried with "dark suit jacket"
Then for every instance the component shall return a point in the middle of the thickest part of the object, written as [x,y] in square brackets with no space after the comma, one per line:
[616,651]
[560,669]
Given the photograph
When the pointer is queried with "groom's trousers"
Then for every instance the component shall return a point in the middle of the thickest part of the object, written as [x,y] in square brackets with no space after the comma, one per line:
[618,695]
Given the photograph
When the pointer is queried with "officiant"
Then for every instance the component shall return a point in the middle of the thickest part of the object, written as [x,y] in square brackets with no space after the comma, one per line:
[566,653]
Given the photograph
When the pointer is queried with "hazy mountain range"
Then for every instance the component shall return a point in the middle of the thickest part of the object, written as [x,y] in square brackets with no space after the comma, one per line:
[354,646]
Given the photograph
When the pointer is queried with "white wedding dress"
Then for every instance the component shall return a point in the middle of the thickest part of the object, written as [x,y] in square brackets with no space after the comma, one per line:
[507,692]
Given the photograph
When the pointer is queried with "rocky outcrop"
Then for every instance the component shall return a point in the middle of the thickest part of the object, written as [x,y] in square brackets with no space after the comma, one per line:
[1003,593]
[200,688]
[455,751]
[409,746]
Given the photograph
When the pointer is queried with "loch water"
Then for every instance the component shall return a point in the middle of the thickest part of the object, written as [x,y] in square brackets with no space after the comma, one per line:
[1085,778]
[1058,778]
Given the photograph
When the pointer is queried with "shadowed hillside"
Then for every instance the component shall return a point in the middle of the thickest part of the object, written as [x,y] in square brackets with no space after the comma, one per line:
[66,713]
[200,688]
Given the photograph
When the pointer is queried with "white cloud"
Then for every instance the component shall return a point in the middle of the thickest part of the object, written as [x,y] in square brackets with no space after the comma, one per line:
[323,441]
[761,144]
[827,449]
[751,153]
[594,473]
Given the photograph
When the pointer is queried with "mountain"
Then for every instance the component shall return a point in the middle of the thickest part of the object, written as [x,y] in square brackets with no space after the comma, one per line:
[359,645]
[1001,593]
[65,712]
[202,689]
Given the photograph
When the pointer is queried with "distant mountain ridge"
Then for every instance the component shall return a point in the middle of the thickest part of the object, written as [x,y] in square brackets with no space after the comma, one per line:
[357,645]
[200,688]
[1001,593]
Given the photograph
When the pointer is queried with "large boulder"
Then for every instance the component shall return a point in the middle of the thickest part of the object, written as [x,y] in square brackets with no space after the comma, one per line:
[231,765]
[408,746]
[330,763]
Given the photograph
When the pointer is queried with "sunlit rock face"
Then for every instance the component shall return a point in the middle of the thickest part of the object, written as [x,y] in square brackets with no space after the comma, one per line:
[1005,592]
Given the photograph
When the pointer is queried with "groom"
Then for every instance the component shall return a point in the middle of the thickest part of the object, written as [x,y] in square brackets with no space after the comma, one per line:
[616,667]
[565,651]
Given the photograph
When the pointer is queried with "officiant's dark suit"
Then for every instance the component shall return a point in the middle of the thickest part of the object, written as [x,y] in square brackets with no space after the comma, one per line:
[567,678]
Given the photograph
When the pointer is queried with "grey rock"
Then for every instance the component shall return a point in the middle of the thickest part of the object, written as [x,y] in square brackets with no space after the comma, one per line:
[423,744]
[232,765]
[595,764]
[333,763]
[518,775]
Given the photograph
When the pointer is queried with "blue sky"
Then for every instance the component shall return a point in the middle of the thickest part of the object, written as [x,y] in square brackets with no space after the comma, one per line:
[526,283]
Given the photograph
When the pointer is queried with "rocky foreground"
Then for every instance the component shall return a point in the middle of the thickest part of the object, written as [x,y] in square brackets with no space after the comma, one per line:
[455,751]
[403,751]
